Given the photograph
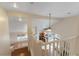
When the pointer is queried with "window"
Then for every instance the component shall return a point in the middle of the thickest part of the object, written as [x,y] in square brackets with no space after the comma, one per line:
[22,37]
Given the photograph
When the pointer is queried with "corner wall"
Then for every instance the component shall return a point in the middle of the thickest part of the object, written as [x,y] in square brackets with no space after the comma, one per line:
[4,34]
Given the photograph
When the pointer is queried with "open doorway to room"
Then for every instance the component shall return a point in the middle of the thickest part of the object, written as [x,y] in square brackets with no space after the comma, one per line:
[18,36]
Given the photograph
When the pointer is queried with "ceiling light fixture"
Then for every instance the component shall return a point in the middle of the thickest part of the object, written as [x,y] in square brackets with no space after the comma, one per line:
[68,12]
[14,5]
[20,19]
[31,2]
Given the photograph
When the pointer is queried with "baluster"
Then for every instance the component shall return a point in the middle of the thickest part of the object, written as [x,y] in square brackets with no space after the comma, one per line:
[45,49]
[53,48]
[68,47]
[57,49]
[50,49]
[65,48]
[62,48]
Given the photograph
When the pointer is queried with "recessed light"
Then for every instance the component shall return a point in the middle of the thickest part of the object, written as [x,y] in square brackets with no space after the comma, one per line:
[14,5]
[31,2]
[20,19]
[68,12]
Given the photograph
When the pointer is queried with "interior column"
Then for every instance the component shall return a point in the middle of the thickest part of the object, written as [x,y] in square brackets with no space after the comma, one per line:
[29,31]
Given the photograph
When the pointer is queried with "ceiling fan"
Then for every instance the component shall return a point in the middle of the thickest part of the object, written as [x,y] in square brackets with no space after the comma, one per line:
[49,28]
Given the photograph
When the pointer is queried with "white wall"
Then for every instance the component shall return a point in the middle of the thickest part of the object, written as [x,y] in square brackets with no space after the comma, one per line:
[67,27]
[4,34]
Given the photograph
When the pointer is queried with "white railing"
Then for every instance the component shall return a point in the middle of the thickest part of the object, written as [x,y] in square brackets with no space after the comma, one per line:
[56,48]
[65,47]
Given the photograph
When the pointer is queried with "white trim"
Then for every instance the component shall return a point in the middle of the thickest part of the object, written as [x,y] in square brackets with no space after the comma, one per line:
[71,37]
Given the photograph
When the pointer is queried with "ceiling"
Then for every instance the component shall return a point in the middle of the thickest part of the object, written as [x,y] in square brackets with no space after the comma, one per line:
[57,9]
